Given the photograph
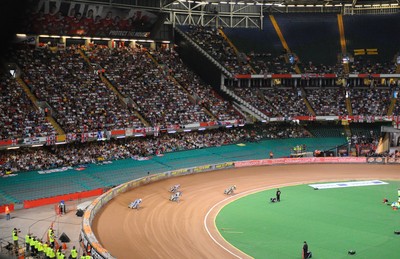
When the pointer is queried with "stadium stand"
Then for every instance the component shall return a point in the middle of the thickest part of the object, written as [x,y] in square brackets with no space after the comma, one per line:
[214,43]
[19,117]
[327,101]
[80,101]
[137,76]
[203,94]
[151,81]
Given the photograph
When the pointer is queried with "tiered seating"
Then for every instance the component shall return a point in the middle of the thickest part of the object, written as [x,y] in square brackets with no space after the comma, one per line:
[91,152]
[322,130]
[135,75]
[202,93]
[252,96]
[370,101]
[362,65]
[366,132]
[274,102]
[80,101]
[314,68]
[215,45]
[276,130]
[396,110]
[268,63]
[18,118]
[30,159]
[287,101]
[329,101]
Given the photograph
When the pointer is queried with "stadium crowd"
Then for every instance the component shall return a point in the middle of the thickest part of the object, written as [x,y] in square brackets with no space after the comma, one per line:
[267,63]
[198,90]
[79,100]
[312,68]
[18,117]
[137,76]
[370,101]
[327,101]
[78,153]
[210,40]
[369,66]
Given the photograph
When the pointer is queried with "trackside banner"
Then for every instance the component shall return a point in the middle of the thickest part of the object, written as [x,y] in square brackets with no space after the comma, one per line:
[376,160]
[60,17]
[302,160]
[393,160]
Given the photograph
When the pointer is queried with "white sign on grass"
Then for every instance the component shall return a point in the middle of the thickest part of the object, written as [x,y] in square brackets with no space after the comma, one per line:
[346,184]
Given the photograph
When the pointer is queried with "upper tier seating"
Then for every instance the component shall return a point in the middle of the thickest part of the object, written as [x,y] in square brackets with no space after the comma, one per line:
[18,117]
[80,101]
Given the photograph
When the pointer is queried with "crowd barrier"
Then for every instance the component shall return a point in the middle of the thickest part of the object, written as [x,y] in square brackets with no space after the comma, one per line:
[3,208]
[300,160]
[92,246]
[66,197]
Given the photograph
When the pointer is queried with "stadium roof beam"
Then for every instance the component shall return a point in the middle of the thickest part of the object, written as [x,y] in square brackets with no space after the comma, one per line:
[246,13]
[165,3]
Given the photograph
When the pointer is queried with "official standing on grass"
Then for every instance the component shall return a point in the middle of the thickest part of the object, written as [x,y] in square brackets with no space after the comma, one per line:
[278,195]
[305,250]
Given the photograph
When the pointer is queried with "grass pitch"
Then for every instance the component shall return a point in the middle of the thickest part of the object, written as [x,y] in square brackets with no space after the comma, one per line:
[332,221]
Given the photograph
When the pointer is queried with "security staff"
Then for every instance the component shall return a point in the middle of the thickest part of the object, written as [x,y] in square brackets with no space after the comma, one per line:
[32,245]
[48,250]
[74,253]
[52,254]
[40,248]
[45,247]
[84,256]
[37,244]
[51,239]
[27,242]
[59,253]
[15,239]
[50,234]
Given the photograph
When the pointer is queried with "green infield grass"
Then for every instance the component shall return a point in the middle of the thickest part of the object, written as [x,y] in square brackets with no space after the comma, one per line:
[332,221]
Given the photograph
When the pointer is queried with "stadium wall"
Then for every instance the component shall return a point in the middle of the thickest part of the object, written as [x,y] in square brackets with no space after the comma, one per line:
[56,199]
[3,208]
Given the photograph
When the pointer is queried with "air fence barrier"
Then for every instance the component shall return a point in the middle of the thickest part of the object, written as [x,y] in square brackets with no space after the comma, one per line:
[91,245]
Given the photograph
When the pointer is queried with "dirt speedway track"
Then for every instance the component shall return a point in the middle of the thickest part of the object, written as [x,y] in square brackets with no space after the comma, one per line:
[165,229]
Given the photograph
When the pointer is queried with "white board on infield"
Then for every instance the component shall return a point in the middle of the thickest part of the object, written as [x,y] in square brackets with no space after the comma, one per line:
[346,184]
